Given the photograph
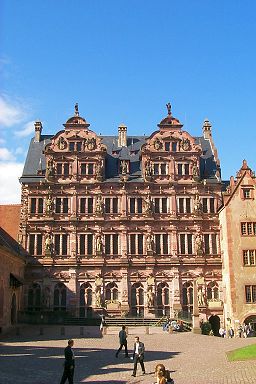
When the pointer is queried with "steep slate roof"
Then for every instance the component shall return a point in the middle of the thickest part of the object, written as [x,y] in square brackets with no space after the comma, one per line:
[114,153]
[12,245]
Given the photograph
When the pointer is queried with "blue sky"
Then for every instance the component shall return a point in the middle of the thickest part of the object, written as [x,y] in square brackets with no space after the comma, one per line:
[122,61]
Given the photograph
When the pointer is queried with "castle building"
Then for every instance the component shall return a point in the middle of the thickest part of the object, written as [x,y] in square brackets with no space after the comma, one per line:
[121,225]
[238,245]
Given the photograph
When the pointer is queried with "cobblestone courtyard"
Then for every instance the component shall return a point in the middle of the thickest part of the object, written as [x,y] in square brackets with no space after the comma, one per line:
[193,359]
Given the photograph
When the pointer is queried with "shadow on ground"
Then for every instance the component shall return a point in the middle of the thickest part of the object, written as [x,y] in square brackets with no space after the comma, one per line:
[33,364]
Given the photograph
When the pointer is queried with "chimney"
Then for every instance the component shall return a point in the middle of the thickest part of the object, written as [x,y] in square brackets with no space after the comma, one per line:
[122,135]
[207,129]
[38,130]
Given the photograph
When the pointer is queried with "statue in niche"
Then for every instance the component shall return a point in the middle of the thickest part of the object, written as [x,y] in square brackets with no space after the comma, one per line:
[158,145]
[48,244]
[98,298]
[148,205]
[150,243]
[151,280]
[49,168]
[198,245]
[200,297]
[124,167]
[49,205]
[197,204]
[150,297]
[98,169]
[98,281]
[99,205]
[61,143]
[91,143]
[195,171]
[148,169]
[99,244]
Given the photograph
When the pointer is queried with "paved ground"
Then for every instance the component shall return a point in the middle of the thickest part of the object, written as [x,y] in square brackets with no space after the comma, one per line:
[193,359]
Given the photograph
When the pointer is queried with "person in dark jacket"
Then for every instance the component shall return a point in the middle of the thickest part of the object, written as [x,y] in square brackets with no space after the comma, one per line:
[138,356]
[69,364]
[123,341]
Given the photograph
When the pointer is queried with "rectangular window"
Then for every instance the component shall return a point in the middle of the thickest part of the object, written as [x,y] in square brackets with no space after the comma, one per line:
[107,244]
[188,205]
[90,205]
[163,169]
[246,193]
[190,245]
[71,146]
[246,258]
[249,257]
[83,169]
[115,205]
[65,205]
[207,244]
[82,245]
[89,244]
[32,244]
[132,205]
[58,205]
[90,169]
[250,293]
[133,244]
[66,169]
[156,169]
[180,169]
[57,244]
[140,244]
[107,205]
[82,205]
[64,244]
[165,244]
[214,244]
[164,205]
[139,205]
[59,169]
[40,205]
[115,244]
[33,205]
[174,146]
[186,169]
[212,208]
[204,204]
[181,205]
[182,244]
[78,146]
[167,146]
[248,229]
[158,244]
[39,244]
[157,205]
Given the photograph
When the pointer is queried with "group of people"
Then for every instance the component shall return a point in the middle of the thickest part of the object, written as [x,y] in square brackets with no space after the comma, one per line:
[173,325]
[243,330]
[162,375]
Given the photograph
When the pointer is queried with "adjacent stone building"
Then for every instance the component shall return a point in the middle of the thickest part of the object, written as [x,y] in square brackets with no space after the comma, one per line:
[238,245]
[119,224]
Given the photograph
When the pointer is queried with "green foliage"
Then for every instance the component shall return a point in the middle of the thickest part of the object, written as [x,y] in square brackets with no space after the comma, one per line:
[246,353]
[206,328]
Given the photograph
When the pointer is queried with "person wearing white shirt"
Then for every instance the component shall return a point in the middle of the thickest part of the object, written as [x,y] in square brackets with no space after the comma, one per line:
[138,356]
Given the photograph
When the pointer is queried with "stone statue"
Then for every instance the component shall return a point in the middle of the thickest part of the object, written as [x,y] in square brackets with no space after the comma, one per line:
[48,243]
[169,108]
[185,144]
[49,205]
[98,298]
[148,205]
[200,297]
[149,243]
[61,143]
[197,204]
[150,297]
[123,167]
[158,145]
[98,169]
[99,244]
[198,245]
[49,168]
[99,205]
[76,110]
[195,171]
[98,281]
[148,169]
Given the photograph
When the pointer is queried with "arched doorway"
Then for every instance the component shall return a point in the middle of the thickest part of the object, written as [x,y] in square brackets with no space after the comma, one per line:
[137,300]
[187,300]
[251,320]
[214,320]
[86,300]
[59,298]
[162,299]
[13,309]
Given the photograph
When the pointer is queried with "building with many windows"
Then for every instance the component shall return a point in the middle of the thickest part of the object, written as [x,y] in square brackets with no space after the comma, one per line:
[119,224]
[238,245]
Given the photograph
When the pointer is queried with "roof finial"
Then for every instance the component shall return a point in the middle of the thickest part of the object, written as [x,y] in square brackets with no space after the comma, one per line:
[76,110]
[169,107]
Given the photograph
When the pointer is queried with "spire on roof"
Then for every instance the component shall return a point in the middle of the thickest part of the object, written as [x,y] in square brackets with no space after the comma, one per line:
[169,108]
[76,110]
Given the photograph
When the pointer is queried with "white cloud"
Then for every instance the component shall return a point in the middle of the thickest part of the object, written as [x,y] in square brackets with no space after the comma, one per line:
[6,155]
[28,128]
[19,151]
[2,141]
[10,113]
[9,183]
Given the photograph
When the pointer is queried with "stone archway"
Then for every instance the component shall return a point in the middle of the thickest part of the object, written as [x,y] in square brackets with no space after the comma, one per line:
[13,309]
[251,319]
[214,320]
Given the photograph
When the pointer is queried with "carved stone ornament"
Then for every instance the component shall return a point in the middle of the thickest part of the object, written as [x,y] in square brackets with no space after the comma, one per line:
[124,167]
[62,144]
[185,145]
[158,145]
[150,280]
[48,244]
[98,281]
[49,168]
[90,144]
[150,297]
[148,205]
[148,169]
[49,205]
[98,298]
[99,205]
[99,245]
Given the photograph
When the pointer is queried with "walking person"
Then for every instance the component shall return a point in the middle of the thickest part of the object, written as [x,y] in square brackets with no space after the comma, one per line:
[69,364]
[138,356]
[123,341]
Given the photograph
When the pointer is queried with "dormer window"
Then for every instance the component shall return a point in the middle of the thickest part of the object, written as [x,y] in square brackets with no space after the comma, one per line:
[72,146]
[247,193]
[174,146]
[75,146]
[167,146]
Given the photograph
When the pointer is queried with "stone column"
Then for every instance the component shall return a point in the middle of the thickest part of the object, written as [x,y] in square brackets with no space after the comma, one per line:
[124,287]
[196,324]
[72,294]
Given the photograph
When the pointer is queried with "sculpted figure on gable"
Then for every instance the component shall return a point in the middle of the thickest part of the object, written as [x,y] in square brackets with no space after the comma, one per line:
[90,144]
[158,145]
[62,144]
[185,145]
[49,168]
